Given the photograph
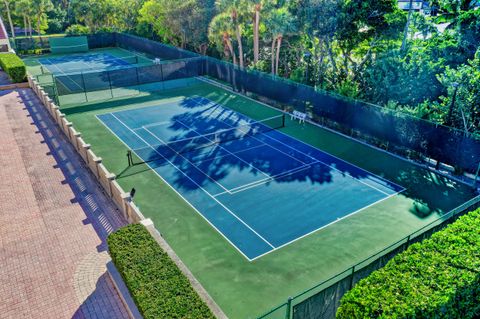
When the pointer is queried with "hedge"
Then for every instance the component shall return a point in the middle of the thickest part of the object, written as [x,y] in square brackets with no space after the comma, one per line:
[437,278]
[158,287]
[13,66]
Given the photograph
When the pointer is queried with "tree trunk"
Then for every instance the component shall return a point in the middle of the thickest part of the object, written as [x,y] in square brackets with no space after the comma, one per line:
[405,33]
[321,56]
[230,48]
[38,27]
[25,25]
[279,44]
[273,55]
[256,33]
[203,48]
[9,16]
[30,27]
[240,46]
[331,56]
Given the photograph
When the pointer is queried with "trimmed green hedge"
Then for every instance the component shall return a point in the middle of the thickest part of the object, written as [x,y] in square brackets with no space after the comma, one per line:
[158,287]
[13,66]
[437,278]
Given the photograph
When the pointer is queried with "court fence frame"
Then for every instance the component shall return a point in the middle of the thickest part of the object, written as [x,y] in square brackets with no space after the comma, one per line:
[401,134]
[322,300]
[41,44]
[112,189]
[394,131]
[111,80]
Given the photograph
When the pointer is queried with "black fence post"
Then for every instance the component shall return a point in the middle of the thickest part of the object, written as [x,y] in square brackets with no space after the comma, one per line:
[110,83]
[136,73]
[351,278]
[84,88]
[289,308]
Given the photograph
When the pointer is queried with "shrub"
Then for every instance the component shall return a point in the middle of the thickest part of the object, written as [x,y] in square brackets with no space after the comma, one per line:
[437,278]
[77,29]
[13,66]
[158,287]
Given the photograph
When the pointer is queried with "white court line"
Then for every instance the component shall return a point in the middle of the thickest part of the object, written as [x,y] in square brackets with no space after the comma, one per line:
[163,143]
[154,124]
[271,146]
[65,74]
[324,226]
[220,109]
[193,159]
[298,151]
[142,106]
[218,85]
[176,191]
[220,146]
[265,180]
[208,159]
[206,192]
[223,235]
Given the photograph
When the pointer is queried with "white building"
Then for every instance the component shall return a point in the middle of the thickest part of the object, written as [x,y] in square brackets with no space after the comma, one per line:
[417,5]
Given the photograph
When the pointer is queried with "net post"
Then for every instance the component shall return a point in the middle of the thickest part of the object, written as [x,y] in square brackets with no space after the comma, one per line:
[136,74]
[110,83]
[161,76]
[84,88]
[289,308]
[283,120]
[352,276]
[475,179]
[55,90]
[129,158]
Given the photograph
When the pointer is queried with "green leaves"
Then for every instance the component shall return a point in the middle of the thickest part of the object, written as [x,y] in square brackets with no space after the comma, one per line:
[13,66]
[437,278]
[157,286]
[77,29]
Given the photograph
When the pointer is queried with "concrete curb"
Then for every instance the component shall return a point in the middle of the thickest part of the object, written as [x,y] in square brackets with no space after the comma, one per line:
[123,291]
[197,286]
[14,86]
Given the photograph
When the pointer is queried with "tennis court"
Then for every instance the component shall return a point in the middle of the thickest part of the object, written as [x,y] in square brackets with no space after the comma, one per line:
[231,189]
[85,62]
[258,187]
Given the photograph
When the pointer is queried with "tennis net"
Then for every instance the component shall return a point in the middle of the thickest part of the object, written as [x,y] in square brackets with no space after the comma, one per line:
[90,65]
[186,145]
[69,48]
[69,44]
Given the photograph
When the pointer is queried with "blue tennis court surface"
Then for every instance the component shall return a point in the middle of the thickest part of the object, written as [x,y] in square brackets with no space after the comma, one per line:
[261,189]
[86,62]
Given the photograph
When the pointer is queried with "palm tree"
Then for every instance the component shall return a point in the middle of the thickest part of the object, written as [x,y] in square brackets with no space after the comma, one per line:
[221,29]
[41,7]
[9,16]
[23,8]
[237,10]
[257,6]
[279,23]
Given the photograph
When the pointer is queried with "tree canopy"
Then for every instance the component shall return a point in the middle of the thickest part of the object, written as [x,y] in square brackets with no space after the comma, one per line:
[368,50]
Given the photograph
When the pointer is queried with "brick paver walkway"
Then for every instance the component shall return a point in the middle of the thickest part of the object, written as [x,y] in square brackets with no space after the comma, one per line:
[4,78]
[53,221]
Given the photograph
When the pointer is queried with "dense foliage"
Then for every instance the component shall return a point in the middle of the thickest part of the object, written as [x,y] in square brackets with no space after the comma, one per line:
[13,66]
[437,278]
[158,287]
[365,49]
